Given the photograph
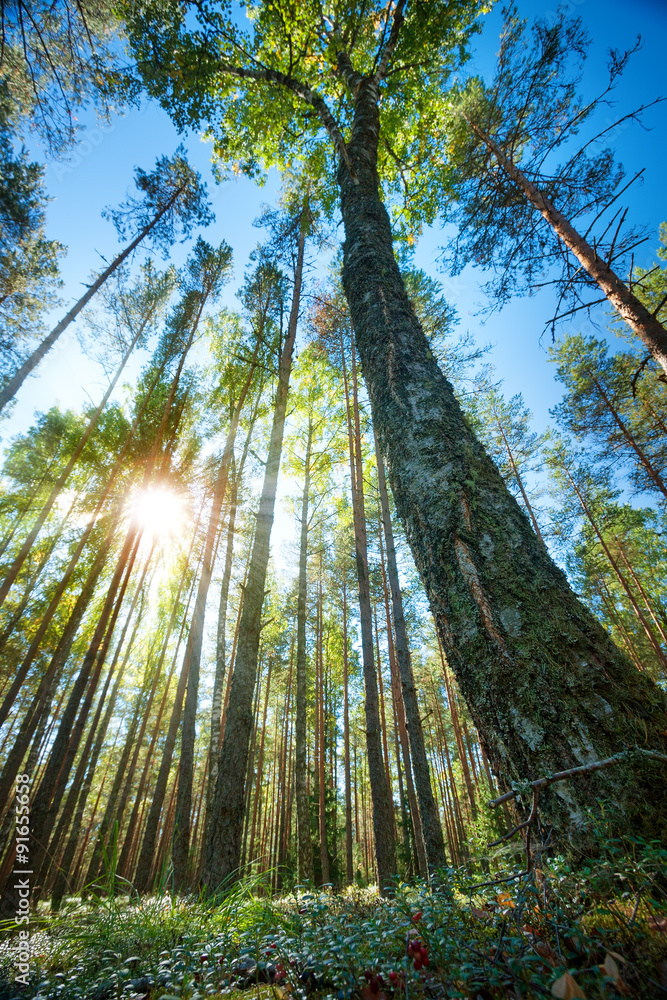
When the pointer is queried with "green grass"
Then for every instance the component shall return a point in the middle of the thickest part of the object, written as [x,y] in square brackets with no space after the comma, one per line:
[604,926]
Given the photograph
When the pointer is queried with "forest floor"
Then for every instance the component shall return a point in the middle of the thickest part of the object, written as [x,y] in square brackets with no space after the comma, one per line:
[598,931]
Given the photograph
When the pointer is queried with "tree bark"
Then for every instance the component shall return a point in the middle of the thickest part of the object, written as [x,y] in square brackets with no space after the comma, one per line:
[546,687]
[217,698]
[305,847]
[147,855]
[428,811]
[383,813]
[402,734]
[519,481]
[223,848]
[349,863]
[78,793]
[181,845]
[61,759]
[321,753]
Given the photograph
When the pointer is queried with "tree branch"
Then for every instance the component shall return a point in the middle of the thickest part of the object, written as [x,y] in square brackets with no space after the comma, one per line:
[301,90]
[575,772]
[389,48]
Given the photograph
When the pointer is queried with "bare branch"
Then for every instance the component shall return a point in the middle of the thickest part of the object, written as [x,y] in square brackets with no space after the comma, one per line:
[575,772]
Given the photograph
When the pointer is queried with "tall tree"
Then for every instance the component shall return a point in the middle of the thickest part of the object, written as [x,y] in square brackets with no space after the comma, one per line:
[28,260]
[481,564]
[174,200]
[430,821]
[517,210]
[223,839]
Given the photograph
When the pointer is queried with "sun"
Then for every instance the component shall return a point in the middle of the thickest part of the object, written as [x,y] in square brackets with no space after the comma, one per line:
[159,512]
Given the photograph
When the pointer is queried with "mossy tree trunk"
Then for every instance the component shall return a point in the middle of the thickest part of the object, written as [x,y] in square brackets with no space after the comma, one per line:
[545,685]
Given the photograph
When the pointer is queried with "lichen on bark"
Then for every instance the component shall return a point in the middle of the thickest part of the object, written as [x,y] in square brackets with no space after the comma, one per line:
[546,687]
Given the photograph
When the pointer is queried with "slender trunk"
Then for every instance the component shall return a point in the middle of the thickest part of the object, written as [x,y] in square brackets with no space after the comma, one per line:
[251,760]
[223,849]
[305,849]
[285,778]
[616,620]
[383,716]
[61,759]
[349,864]
[64,475]
[181,845]
[147,855]
[78,793]
[402,736]
[642,322]
[259,784]
[383,813]
[652,638]
[499,601]
[76,787]
[519,481]
[428,812]
[134,830]
[321,756]
[39,702]
[638,584]
[643,459]
[73,562]
[31,363]
[458,736]
[69,871]
[217,698]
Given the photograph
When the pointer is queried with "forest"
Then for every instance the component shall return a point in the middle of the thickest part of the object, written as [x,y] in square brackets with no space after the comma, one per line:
[326,668]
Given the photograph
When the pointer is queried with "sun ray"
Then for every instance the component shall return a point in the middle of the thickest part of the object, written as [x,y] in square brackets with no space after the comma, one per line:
[159,512]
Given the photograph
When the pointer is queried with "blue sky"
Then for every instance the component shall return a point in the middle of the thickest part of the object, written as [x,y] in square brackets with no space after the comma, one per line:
[99,172]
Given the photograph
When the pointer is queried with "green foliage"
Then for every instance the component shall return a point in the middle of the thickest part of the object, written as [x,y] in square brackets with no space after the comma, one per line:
[28,261]
[172,185]
[499,938]
[533,111]
[269,90]
[600,409]
[56,58]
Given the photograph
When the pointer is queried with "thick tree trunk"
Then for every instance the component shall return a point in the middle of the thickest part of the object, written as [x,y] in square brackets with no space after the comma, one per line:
[546,687]
[223,848]
[305,847]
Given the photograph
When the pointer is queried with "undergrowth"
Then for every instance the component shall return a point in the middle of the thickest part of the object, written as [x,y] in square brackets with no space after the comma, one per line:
[597,932]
